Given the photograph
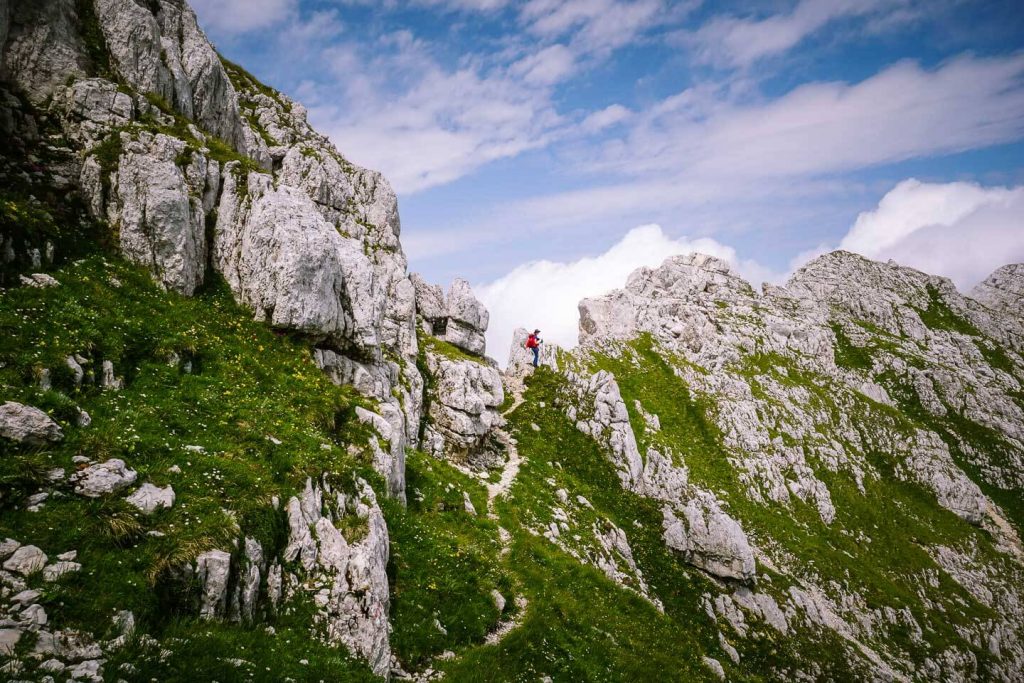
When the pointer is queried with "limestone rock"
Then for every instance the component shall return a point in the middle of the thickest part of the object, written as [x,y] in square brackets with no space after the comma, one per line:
[92,107]
[347,576]
[213,569]
[430,302]
[26,560]
[391,463]
[167,53]
[103,478]
[43,47]
[1003,290]
[52,572]
[467,318]
[157,206]
[283,260]
[710,539]
[28,425]
[149,498]
[9,638]
[464,395]
[39,281]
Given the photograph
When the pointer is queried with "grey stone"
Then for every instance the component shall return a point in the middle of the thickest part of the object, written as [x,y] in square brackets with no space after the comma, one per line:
[54,571]
[103,478]
[213,569]
[28,425]
[149,498]
[26,560]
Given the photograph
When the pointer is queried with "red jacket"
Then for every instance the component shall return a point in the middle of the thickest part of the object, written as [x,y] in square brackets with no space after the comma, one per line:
[531,342]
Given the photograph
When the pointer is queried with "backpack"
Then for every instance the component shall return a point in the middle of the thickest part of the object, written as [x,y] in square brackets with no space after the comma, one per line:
[531,342]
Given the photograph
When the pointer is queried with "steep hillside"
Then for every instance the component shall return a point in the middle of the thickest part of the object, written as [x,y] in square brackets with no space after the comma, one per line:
[239,441]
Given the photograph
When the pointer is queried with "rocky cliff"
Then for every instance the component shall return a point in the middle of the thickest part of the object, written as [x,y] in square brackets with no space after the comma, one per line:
[239,438]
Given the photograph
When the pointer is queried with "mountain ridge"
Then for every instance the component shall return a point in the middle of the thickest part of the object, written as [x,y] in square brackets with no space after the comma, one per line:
[283,452]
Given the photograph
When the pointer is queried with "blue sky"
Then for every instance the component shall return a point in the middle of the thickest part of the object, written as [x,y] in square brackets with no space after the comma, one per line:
[523,137]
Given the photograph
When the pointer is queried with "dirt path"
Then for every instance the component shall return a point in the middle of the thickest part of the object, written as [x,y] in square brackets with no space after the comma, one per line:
[511,469]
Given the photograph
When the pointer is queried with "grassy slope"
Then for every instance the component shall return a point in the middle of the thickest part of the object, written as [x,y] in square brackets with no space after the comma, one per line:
[247,384]
[579,625]
[444,564]
[900,517]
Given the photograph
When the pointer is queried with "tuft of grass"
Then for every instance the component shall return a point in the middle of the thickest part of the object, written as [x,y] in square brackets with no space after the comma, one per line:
[446,349]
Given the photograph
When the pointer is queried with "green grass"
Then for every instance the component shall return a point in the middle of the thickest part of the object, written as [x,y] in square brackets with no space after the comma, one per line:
[847,354]
[939,316]
[444,564]
[447,350]
[902,518]
[579,625]
[247,384]
[226,652]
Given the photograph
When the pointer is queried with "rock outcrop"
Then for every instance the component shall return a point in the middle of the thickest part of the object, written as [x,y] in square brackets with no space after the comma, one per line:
[1003,290]
[866,371]
[464,395]
[347,577]
[458,317]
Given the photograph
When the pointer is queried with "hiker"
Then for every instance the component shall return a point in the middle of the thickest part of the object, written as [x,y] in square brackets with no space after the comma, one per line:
[533,343]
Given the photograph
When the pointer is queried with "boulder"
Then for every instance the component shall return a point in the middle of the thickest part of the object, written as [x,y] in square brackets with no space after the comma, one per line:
[52,572]
[28,425]
[149,498]
[9,638]
[464,396]
[103,478]
[467,319]
[709,538]
[430,301]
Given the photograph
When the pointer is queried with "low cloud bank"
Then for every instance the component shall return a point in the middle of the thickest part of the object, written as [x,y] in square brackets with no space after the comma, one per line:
[961,230]
[545,294]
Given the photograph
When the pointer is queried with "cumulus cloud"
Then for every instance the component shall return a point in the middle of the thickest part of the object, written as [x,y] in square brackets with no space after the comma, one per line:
[961,230]
[241,16]
[545,294]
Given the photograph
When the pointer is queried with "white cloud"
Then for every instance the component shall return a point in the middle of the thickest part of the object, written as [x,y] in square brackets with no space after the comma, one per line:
[545,294]
[549,66]
[960,230]
[740,42]
[698,146]
[241,16]
[605,118]
[598,26]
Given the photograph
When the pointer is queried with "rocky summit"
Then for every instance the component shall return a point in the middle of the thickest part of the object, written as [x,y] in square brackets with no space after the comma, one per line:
[240,441]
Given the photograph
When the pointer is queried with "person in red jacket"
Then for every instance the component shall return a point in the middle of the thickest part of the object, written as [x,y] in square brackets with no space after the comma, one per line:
[533,343]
